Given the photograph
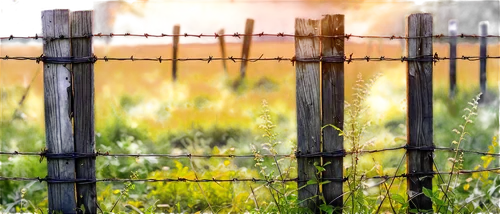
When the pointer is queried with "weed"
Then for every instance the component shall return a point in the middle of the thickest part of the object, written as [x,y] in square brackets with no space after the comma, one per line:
[22,204]
[447,199]
[283,194]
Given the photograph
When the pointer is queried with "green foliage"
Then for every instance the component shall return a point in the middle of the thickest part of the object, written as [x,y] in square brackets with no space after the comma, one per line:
[127,101]
[283,194]
[264,84]
[449,114]
[201,102]
[197,137]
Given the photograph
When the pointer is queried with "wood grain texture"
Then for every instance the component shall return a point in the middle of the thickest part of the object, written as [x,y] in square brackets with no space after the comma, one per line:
[177,31]
[247,40]
[57,99]
[332,76]
[308,106]
[222,43]
[83,85]
[419,96]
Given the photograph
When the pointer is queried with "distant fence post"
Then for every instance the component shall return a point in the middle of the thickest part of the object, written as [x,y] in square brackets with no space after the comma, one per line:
[177,31]
[246,47]
[483,42]
[83,86]
[419,96]
[332,75]
[308,107]
[58,111]
[452,32]
[222,43]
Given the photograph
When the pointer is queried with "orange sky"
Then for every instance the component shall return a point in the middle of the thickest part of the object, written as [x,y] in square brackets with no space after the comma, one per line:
[208,16]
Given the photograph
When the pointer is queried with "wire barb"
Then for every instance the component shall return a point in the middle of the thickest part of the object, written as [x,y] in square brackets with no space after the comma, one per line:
[232,180]
[330,59]
[338,153]
[262,34]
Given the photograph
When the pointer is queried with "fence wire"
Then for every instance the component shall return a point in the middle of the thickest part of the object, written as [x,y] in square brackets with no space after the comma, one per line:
[240,35]
[255,180]
[44,153]
[76,60]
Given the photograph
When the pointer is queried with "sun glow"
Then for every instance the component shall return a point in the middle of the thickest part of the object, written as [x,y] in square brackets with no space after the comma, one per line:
[208,17]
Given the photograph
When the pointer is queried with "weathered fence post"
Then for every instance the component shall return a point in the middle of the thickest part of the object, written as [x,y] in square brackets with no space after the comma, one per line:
[332,75]
[246,47]
[83,86]
[483,42]
[222,43]
[452,32]
[419,96]
[308,106]
[58,110]
[177,31]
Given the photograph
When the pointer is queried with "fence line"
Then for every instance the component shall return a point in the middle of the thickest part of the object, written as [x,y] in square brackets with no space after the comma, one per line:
[315,144]
[240,35]
[74,60]
[181,179]
[334,153]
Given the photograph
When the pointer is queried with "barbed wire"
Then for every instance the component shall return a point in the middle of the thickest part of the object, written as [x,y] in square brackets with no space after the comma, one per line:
[338,153]
[255,180]
[240,35]
[74,60]
[179,179]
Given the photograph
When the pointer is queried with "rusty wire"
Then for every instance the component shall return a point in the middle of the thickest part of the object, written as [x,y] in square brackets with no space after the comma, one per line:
[338,153]
[67,60]
[240,35]
[231,180]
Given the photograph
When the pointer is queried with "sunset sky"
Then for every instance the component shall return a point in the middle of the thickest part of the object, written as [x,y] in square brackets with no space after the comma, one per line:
[209,16]
[382,17]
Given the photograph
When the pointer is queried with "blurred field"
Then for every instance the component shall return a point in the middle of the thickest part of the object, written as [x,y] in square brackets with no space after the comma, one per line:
[140,110]
[203,96]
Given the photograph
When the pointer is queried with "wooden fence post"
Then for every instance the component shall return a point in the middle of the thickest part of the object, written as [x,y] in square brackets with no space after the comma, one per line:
[332,75]
[308,107]
[419,96]
[222,42]
[246,47]
[177,31]
[452,32]
[83,86]
[58,111]
[483,42]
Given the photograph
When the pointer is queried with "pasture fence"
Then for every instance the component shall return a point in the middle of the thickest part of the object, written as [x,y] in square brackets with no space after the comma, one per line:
[319,60]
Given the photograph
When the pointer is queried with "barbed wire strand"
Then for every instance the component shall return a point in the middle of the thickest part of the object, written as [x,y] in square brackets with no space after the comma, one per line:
[240,35]
[339,153]
[203,180]
[67,60]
